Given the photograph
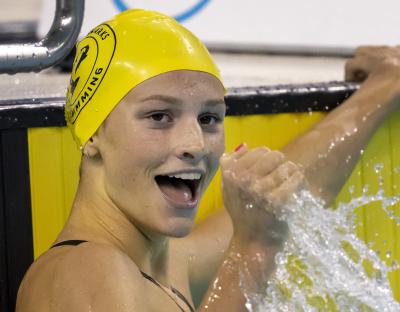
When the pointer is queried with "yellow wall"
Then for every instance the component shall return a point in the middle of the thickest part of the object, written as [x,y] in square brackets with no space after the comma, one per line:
[54,162]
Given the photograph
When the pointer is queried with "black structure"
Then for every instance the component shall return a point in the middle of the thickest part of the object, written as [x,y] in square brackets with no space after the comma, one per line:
[49,112]
[16,116]
[16,245]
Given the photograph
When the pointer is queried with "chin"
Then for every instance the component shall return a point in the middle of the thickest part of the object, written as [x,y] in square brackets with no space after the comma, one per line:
[181,233]
[179,229]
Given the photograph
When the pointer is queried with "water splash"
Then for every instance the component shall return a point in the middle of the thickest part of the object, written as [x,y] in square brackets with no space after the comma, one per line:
[324,266]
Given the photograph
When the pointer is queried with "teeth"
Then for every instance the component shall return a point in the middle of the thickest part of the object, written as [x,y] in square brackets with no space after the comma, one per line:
[187,176]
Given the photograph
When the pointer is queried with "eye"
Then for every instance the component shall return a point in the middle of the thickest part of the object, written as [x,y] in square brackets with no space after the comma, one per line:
[160,117]
[209,119]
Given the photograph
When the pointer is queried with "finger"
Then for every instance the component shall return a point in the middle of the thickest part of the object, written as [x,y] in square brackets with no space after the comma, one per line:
[281,195]
[247,160]
[227,159]
[238,152]
[277,177]
[367,60]
[270,161]
[241,150]
[357,69]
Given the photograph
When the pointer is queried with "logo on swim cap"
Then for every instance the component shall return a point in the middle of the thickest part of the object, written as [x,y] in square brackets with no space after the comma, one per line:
[93,57]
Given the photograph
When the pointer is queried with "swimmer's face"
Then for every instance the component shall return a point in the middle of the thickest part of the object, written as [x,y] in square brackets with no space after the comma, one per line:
[170,125]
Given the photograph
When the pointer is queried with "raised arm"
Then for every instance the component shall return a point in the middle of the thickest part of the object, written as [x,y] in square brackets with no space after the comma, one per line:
[336,143]
[337,140]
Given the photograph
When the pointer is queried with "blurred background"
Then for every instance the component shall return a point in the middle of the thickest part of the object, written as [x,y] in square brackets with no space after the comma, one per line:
[255,43]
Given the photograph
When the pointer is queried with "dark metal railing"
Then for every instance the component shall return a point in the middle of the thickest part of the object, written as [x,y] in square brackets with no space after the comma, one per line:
[47,52]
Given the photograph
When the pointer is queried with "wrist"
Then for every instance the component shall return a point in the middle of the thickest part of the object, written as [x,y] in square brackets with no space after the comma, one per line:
[253,262]
[272,235]
[385,89]
[249,245]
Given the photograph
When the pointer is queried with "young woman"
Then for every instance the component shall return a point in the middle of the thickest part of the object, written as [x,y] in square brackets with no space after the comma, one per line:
[146,105]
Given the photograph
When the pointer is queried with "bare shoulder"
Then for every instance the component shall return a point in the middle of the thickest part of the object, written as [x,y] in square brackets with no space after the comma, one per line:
[75,278]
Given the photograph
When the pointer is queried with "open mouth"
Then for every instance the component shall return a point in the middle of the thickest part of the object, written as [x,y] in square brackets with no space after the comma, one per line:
[182,189]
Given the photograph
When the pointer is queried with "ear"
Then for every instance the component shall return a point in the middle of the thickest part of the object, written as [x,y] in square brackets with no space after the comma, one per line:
[91,148]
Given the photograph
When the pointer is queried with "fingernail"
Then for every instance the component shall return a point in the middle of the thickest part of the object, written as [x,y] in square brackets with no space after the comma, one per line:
[239,147]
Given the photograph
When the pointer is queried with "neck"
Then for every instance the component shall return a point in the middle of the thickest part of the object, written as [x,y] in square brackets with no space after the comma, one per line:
[95,218]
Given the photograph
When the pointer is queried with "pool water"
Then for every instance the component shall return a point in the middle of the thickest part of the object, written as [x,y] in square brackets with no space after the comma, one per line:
[324,266]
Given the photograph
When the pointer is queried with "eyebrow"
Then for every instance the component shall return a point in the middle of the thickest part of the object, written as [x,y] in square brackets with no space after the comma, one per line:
[176,101]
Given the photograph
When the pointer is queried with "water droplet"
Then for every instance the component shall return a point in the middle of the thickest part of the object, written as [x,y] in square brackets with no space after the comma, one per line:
[248,206]
[378,168]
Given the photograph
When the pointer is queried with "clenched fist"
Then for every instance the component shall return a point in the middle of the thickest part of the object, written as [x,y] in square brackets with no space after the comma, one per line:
[256,184]
[373,61]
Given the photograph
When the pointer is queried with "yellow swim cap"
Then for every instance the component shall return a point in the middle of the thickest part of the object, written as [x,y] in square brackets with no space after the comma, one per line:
[118,55]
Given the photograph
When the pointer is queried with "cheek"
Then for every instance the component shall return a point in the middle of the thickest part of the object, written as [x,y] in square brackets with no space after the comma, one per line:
[152,147]
[128,155]
[217,148]
[140,143]
[217,143]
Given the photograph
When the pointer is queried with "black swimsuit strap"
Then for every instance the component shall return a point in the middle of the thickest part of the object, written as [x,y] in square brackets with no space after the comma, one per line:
[174,290]
[182,297]
[76,242]
[73,242]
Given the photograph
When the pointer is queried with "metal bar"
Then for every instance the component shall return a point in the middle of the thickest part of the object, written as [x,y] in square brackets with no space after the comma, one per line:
[276,49]
[61,38]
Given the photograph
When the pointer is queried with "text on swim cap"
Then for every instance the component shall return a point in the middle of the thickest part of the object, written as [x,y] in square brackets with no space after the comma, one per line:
[101,32]
[93,57]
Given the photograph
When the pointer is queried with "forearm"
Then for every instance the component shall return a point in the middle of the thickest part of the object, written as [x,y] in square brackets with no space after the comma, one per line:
[331,149]
[244,272]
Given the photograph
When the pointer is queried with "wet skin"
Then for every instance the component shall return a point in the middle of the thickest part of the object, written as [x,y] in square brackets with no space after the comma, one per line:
[169,124]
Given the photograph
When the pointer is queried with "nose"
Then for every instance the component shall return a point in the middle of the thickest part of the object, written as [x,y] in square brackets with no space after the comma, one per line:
[191,145]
